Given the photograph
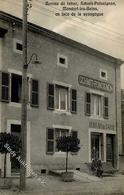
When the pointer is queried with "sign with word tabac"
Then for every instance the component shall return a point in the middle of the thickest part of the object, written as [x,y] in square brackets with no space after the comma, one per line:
[95,84]
[98,125]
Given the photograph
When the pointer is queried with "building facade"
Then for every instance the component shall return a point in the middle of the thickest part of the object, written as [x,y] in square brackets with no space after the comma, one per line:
[76,89]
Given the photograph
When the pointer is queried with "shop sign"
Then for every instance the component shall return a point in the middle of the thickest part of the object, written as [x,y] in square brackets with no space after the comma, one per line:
[98,125]
[93,83]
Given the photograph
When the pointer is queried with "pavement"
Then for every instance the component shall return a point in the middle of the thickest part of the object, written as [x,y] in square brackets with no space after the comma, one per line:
[83,184]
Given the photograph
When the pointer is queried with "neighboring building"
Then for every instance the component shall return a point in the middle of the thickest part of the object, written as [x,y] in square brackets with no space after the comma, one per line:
[75,90]
[122,109]
[121,163]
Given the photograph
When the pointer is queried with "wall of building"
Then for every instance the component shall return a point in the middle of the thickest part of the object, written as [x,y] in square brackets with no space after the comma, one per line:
[79,63]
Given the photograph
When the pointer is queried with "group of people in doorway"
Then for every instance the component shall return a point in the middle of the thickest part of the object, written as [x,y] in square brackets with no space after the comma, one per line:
[96,167]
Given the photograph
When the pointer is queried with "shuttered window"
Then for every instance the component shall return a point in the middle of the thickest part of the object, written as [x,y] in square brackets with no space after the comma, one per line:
[88,104]
[74,134]
[73,101]
[105,108]
[50,141]
[50,96]
[35,93]
[5,87]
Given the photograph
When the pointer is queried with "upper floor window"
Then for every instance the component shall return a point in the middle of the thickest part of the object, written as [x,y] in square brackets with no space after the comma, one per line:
[61,98]
[17,46]
[103,74]
[62,61]
[11,88]
[96,105]
[16,88]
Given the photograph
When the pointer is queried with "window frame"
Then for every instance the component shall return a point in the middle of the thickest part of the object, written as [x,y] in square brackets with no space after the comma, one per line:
[101,77]
[65,65]
[102,107]
[94,105]
[15,41]
[59,98]
[54,127]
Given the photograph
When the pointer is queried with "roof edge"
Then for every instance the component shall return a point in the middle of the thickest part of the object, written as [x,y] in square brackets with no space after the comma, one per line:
[53,35]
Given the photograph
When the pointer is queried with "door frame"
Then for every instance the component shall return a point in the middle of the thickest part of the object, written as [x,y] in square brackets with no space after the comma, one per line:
[18,122]
[104,132]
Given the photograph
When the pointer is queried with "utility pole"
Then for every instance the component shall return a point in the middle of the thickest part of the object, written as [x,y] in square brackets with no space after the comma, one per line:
[24,101]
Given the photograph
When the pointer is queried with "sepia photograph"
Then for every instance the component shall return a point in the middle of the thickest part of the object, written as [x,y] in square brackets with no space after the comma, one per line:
[61,97]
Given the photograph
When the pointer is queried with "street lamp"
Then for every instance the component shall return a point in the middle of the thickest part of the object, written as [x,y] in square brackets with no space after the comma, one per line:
[36,61]
[25,98]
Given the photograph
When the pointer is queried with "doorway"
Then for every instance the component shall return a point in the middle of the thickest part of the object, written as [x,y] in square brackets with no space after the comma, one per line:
[110,149]
[96,146]
[15,165]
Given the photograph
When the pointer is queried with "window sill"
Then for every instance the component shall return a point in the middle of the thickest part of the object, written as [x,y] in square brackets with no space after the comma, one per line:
[95,117]
[61,112]
[18,105]
[59,154]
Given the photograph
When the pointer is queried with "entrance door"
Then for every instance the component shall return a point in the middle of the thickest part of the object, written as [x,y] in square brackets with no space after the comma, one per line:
[15,165]
[109,149]
[96,146]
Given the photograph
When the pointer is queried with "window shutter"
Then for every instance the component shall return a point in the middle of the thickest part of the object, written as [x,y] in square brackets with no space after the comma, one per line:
[74,101]
[105,108]
[50,140]
[88,104]
[34,93]
[74,134]
[50,96]
[5,84]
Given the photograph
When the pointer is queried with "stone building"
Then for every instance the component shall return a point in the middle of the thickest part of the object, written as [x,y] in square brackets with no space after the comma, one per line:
[75,90]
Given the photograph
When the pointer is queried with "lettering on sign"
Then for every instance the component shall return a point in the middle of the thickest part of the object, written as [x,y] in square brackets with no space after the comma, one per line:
[98,125]
[93,83]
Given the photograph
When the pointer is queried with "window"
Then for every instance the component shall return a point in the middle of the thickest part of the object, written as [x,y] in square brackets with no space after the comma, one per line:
[16,87]
[17,46]
[61,98]
[96,105]
[60,133]
[62,61]
[52,135]
[103,74]
[11,88]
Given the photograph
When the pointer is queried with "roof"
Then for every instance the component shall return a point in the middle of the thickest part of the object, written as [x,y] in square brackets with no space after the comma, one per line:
[48,33]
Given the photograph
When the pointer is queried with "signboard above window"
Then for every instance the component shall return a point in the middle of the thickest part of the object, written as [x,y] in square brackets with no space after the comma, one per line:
[95,84]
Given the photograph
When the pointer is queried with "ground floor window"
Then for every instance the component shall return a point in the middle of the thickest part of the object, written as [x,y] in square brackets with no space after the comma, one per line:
[60,133]
[53,134]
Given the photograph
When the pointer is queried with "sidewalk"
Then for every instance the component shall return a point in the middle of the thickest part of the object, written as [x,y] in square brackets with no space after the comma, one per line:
[83,185]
